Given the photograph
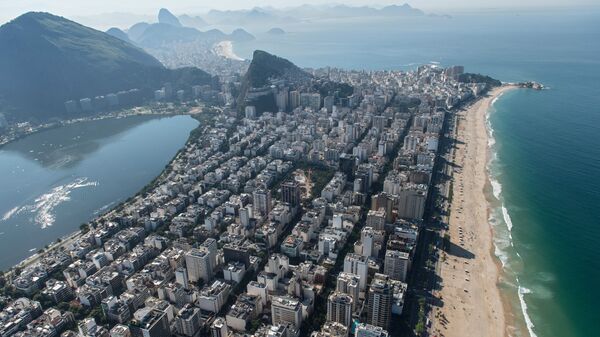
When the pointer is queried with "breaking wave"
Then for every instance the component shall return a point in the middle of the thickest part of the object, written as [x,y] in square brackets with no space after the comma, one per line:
[503,241]
[528,322]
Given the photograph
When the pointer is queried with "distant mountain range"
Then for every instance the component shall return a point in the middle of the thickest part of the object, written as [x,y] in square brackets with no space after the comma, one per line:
[258,16]
[166,17]
[119,34]
[192,21]
[47,60]
[276,31]
[268,15]
[171,29]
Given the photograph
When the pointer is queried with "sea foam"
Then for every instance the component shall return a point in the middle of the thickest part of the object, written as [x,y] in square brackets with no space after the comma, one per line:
[496,99]
[501,244]
[528,322]
[507,218]
[496,188]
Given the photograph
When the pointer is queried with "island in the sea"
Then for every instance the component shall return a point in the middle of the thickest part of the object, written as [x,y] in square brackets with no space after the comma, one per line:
[305,203]
[276,31]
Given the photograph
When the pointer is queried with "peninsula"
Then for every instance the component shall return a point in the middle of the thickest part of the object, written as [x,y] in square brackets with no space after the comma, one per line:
[305,203]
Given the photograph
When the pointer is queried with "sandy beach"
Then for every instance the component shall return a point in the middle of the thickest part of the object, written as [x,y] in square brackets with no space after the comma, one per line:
[225,49]
[472,303]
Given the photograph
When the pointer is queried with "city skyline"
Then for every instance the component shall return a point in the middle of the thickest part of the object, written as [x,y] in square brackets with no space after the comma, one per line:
[273,169]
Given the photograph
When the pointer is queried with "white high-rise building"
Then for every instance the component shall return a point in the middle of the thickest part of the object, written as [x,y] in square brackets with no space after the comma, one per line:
[411,202]
[211,245]
[261,200]
[396,264]
[198,264]
[357,264]
[349,283]
[181,277]
[367,239]
[376,219]
[188,320]
[213,297]
[379,301]
[286,309]
[339,308]
[245,215]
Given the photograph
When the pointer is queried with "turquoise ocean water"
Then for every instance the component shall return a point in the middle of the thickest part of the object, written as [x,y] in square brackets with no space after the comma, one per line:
[546,144]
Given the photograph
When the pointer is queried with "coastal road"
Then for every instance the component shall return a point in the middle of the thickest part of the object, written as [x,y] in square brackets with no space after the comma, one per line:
[424,276]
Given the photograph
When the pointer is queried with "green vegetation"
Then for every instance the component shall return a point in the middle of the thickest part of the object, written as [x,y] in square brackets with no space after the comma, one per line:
[478,78]
[446,242]
[44,300]
[265,66]
[253,325]
[84,228]
[98,314]
[336,89]
[420,327]
[47,60]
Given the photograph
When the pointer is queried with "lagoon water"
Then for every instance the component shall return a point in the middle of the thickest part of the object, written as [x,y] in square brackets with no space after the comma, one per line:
[547,143]
[55,180]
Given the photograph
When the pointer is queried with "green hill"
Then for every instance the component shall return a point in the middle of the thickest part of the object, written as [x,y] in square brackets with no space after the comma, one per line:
[47,60]
[263,68]
[478,78]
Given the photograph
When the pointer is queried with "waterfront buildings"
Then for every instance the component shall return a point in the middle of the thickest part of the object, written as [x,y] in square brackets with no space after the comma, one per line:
[396,264]
[255,211]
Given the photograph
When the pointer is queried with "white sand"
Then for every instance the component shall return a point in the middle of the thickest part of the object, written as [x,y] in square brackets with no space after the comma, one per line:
[225,49]
[472,305]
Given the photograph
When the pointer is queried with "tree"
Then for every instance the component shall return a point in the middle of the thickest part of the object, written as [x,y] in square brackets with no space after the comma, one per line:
[98,315]
[253,325]
[63,306]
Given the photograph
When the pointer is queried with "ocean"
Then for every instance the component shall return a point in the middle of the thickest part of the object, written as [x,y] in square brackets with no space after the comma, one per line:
[55,180]
[545,162]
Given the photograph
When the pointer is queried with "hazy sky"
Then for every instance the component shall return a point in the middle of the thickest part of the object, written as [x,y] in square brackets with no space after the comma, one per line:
[74,8]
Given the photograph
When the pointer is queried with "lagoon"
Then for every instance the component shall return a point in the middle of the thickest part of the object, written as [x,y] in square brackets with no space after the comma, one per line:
[53,181]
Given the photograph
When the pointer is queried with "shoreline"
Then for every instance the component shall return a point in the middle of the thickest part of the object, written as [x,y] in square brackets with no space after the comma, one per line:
[471,272]
[65,240]
[225,49]
[511,291]
[144,110]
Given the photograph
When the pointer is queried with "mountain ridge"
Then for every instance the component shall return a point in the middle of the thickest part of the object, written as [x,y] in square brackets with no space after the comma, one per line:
[47,60]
